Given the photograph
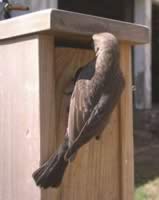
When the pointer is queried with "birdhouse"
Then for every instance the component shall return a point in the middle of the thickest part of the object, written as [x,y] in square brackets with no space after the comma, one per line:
[40,53]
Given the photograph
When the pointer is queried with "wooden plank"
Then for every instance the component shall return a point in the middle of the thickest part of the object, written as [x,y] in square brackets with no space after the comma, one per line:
[76,24]
[87,25]
[19,118]
[25,24]
[126,127]
[27,121]
[48,125]
[96,171]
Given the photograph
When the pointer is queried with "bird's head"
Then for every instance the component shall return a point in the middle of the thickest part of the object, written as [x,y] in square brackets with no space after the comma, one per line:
[103,40]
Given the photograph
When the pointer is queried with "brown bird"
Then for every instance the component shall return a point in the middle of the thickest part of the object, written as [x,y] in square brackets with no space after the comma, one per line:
[97,89]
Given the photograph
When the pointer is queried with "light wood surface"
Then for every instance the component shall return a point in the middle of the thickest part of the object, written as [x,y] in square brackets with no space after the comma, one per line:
[103,169]
[96,171]
[126,127]
[19,118]
[47,106]
[33,119]
[72,24]
[27,117]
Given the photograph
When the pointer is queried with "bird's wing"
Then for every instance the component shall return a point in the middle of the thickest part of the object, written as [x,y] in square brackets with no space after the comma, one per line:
[85,125]
[80,103]
[92,121]
[79,109]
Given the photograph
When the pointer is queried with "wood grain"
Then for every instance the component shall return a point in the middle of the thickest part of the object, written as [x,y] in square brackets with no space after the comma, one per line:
[95,172]
[19,118]
[65,23]
[47,113]
[126,127]
[33,120]
[27,117]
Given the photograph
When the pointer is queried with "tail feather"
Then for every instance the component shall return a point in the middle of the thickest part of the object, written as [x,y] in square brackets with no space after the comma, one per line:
[50,174]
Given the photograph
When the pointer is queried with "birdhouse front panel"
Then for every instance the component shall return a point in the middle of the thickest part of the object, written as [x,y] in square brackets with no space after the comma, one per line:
[95,173]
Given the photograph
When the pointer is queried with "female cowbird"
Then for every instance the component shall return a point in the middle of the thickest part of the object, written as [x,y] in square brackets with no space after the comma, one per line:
[97,89]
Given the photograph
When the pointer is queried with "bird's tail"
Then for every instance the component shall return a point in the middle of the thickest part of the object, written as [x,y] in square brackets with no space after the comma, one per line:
[50,174]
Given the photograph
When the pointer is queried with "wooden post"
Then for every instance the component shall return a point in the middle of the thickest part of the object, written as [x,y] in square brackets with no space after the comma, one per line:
[126,126]
[142,58]
[34,73]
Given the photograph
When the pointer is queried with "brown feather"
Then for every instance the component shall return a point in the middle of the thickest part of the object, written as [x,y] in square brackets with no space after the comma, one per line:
[97,91]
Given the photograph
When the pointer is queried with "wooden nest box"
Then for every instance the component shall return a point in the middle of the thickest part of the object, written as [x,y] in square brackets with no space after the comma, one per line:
[39,54]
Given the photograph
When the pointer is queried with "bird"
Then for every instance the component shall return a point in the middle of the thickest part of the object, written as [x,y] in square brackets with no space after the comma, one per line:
[97,89]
